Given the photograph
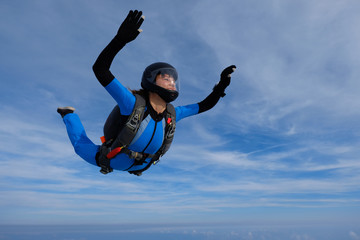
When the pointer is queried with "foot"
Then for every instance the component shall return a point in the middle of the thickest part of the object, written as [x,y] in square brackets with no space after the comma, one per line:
[65,110]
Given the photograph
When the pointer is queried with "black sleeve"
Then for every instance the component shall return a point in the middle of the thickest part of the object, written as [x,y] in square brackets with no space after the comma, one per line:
[102,64]
[211,100]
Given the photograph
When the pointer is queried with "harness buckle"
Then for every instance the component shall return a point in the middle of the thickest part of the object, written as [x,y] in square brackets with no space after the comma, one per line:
[138,157]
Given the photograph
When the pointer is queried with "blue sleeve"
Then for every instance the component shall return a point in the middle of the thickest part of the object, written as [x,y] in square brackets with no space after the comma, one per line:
[124,98]
[186,111]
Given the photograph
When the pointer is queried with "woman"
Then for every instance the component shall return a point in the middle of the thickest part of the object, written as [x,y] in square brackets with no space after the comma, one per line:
[160,87]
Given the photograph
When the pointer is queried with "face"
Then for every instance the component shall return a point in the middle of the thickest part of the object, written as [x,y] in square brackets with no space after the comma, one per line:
[166,81]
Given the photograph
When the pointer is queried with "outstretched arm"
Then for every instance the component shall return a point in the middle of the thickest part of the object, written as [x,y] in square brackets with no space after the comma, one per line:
[127,32]
[218,91]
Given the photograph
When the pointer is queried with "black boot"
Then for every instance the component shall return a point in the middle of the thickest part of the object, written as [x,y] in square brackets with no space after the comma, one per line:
[65,110]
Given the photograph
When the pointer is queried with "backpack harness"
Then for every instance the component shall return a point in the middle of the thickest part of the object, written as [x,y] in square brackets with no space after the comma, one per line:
[118,136]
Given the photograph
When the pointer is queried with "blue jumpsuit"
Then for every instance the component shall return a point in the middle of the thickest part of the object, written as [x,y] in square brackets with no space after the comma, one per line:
[148,139]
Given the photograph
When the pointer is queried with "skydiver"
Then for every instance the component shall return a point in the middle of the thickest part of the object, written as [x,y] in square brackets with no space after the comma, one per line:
[148,130]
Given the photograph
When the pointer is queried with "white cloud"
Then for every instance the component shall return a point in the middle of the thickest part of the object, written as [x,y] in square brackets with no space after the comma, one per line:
[294,61]
[353,235]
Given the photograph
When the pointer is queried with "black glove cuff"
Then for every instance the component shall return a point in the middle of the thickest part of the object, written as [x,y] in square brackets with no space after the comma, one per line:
[120,40]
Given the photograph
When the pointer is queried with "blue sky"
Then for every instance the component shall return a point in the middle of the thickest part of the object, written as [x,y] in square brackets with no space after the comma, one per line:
[282,146]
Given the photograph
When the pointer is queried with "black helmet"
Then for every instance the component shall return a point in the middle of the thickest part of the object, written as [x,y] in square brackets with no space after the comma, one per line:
[148,81]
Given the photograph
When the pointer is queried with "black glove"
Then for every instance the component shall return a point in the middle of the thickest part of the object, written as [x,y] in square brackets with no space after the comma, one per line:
[225,78]
[129,29]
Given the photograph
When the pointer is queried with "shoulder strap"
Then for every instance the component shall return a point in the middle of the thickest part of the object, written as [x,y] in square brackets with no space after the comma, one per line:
[130,128]
[170,121]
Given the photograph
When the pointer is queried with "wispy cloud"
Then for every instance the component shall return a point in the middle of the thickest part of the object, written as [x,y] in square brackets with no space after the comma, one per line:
[295,61]
[353,235]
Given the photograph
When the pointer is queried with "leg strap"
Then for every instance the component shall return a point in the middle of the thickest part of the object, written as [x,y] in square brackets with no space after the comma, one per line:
[105,154]
[103,161]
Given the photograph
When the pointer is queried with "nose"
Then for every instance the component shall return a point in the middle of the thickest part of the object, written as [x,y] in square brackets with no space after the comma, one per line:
[172,85]
[172,82]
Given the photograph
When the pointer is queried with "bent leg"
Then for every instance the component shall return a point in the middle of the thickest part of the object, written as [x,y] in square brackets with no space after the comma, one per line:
[83,146]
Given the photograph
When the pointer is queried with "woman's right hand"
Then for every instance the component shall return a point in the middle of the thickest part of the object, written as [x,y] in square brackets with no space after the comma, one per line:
[130,28]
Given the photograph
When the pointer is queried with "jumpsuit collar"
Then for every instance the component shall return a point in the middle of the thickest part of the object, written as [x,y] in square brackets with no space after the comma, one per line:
[157,117]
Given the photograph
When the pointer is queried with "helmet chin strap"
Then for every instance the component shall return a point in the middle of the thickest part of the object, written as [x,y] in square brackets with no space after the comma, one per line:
[165,94]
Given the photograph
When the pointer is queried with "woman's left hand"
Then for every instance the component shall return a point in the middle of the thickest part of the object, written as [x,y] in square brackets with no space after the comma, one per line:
[225,78]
